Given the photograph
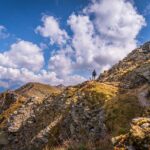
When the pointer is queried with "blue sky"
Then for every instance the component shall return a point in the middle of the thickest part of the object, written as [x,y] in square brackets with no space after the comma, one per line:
[143,8]
[21,17]
[62,41]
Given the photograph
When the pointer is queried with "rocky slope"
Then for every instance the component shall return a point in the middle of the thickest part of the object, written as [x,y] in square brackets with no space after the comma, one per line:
[132,71]
[93,115]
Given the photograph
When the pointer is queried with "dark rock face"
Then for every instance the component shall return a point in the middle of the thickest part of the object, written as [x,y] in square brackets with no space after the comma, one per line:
[7,99]
[84,123]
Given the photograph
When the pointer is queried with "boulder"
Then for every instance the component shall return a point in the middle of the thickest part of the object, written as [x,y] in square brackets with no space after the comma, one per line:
[138,137]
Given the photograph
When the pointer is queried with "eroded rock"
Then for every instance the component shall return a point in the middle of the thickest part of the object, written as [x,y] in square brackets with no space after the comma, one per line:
[138,137]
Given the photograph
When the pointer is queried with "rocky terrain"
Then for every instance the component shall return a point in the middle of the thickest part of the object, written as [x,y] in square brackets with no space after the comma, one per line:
[138,136]
[112,112]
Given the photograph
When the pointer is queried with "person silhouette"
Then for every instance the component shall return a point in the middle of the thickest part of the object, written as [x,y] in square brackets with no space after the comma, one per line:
[94,74]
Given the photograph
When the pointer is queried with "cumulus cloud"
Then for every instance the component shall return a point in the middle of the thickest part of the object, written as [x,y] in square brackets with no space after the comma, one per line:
[61,62]
[24,62]
[74,79]
[4,84]
[116,25]
[103,32]
[51,29]
[114,20]
[83,40]
[3,32]
[24,75]
[23,54]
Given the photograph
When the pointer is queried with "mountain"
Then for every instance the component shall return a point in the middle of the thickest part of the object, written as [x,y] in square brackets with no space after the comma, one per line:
[132,70]
[112,112]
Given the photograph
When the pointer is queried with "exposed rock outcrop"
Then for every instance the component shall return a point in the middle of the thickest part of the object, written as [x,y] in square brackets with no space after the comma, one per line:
[6,99]
[138,137]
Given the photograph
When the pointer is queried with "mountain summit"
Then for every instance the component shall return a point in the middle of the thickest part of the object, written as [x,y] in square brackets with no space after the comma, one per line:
[112,112]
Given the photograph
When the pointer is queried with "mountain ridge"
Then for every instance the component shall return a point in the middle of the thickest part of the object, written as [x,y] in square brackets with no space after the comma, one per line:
[92,115]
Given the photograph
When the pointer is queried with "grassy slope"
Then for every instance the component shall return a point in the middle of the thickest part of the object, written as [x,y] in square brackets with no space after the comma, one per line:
[120,105]
[28,90]
[37,89]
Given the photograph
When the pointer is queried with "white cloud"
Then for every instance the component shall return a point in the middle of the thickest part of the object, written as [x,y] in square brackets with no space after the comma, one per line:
[24,75]
[61,63]
[74,79]
[3,32]
[4,84]
[23,54]
[82,40]
[115,19]
[101,40]
[24,62]
[102,33]
[51,29]
[106,38]
[98,41]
